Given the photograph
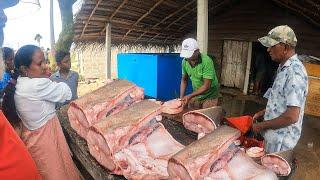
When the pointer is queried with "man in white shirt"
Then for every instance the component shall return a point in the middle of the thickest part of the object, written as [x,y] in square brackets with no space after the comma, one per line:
[283,114]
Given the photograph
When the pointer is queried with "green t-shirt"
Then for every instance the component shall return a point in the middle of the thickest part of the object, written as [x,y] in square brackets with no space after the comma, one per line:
[203,70]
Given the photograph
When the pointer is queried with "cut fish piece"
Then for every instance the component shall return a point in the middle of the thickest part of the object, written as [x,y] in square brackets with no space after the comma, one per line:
[215,156]
[119,130]
[241,167]
[203,120]
[195,160]
[280,162]
[109,99]
[255,152]
[174,106]
[148,159]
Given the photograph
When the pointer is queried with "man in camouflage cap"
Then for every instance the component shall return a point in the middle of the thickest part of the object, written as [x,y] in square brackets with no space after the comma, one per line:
[283,115]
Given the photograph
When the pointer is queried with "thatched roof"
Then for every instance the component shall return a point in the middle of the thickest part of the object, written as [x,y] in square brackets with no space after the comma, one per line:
[159,21]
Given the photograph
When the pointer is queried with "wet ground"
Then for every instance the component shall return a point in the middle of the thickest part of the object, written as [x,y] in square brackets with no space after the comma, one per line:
[239,107]
[307,151]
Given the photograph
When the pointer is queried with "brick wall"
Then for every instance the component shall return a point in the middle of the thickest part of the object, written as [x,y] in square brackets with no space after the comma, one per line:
[91,61]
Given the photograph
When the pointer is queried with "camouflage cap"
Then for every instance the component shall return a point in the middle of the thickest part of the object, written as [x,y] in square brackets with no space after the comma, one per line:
[280,34]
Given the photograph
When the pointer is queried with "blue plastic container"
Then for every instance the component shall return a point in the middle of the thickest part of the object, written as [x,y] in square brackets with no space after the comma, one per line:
[158,74]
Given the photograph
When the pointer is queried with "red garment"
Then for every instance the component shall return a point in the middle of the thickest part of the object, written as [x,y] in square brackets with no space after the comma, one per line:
[15,160]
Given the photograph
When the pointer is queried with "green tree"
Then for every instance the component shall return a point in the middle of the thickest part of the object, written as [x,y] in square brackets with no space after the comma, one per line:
[67,33]
[38,38]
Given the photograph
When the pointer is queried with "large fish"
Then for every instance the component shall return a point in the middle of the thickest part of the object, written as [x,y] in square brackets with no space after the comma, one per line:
[107,100]
[133,143]
[216,157]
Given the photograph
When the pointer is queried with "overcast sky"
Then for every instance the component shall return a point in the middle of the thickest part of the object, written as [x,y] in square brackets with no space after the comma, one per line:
[26,20]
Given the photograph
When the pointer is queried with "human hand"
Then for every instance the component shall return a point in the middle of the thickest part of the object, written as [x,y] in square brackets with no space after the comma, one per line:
[257,128]
[185,100]
[257,115]
[47,73]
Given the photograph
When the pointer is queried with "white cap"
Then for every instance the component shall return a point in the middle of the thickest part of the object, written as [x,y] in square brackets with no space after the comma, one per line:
[188,47]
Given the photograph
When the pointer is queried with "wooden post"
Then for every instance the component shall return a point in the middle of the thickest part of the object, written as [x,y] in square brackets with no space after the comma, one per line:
[108,51]
[246,80]
[202,25]
[52,39]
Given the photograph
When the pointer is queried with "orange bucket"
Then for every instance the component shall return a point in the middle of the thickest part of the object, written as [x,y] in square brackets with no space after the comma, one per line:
[242,123]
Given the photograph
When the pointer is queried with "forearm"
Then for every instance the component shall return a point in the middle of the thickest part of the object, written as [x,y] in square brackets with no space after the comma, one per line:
[199,91]
[56,92]
[183,86]
[277,123]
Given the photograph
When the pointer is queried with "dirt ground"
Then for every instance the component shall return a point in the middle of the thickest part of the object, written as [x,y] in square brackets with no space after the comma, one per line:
[307,151]
[85,87]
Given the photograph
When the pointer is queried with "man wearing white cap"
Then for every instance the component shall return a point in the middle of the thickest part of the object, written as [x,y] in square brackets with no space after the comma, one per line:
[283,115]
[200,69]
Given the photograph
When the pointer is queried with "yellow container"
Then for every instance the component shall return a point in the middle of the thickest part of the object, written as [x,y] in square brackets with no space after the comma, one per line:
[312,69]
[313,99]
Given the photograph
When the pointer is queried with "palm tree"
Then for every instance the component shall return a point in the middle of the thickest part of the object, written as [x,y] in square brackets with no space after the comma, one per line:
[38,38]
